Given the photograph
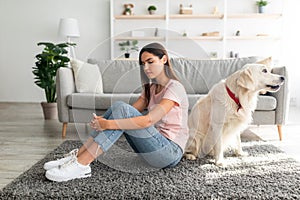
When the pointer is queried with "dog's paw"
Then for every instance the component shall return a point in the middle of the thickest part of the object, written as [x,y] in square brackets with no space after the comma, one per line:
[190,156]
[220,163]
[242,153]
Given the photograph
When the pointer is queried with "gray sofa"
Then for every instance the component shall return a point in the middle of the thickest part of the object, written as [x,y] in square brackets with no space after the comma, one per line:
[121,81]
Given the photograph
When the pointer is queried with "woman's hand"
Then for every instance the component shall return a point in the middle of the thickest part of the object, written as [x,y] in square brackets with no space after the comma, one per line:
[97,123]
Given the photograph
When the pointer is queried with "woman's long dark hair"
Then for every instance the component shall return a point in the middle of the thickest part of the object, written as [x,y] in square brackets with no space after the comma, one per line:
[159,51]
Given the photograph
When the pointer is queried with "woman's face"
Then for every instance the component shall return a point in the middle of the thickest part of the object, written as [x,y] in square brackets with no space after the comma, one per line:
[153,65]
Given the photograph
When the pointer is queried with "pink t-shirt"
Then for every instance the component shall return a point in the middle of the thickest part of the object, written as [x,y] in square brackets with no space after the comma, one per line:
[174,124]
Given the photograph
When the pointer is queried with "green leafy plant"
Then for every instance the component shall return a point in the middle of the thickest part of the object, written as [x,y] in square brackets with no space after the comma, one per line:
[152,7]
[262,3]
[127,10]
[129,46]
[46,66]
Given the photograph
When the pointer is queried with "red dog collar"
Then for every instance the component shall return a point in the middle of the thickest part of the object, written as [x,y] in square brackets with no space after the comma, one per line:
[234,98]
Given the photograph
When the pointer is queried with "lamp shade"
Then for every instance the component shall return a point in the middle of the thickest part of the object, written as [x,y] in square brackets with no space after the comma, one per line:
[68,27]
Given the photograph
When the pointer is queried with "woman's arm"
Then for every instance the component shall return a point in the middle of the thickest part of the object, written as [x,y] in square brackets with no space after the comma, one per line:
[139,122]
[140,104]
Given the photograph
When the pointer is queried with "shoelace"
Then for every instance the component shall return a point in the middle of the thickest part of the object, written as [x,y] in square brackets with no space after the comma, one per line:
[73,155]
[74,152]
[68,163]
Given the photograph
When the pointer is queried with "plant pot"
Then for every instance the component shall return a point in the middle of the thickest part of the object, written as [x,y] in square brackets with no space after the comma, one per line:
[49,110]
[151,12]
[127,55]
[261,9]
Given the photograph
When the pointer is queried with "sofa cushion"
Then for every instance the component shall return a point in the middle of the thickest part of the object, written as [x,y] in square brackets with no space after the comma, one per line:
[198,77]
[120,76]
[98,101]
[87,77]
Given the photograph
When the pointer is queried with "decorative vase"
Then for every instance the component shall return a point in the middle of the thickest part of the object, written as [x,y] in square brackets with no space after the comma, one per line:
[127,55]
[49,110]
[261,9]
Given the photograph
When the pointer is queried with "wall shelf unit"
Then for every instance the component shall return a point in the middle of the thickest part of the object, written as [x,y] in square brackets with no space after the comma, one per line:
[259,33]
[254,16]
[199,16]
[140,17]
[197,38]
[252,38]
[139,38]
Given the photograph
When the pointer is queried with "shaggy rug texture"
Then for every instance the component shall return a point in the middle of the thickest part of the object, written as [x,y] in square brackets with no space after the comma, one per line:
[267,173]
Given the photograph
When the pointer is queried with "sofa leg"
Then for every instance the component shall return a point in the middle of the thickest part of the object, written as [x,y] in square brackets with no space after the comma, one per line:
[64,130]
[279,131]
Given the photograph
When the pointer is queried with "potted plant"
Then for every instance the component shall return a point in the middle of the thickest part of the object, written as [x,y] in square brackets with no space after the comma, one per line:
[52,57]
[128,46]
[151,9]
[261,5]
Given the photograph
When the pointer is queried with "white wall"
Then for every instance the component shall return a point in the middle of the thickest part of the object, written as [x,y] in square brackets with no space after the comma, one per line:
[25,23]
[291,46]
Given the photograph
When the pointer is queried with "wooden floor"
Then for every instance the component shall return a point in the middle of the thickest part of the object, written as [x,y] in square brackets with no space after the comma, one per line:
[26,137]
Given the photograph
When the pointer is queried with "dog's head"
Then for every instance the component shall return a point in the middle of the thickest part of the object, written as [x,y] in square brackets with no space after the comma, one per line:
[257,77]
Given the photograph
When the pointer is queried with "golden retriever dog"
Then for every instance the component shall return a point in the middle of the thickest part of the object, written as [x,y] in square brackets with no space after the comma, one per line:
[216,121]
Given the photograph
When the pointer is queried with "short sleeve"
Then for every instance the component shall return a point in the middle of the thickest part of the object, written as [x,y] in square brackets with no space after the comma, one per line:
[175,92]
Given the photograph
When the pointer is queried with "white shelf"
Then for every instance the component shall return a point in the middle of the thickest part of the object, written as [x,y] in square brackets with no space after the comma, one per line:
[197,38]
[200,16]
[196,16]
[220,38]
[140,38]
[140,17]
[254,16]
[252,38]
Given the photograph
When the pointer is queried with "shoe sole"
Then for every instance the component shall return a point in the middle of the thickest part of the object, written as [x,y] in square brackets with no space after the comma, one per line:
[60,179]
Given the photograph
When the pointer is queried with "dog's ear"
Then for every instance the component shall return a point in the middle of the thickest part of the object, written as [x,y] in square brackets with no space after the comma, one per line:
[245,80]
[268,62]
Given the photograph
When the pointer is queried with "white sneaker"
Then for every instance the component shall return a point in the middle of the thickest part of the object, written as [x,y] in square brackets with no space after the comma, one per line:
[68,171]
[66,158]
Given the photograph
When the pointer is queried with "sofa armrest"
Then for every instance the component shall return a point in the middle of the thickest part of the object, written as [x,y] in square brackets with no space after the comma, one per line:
[282,97]
[65,86]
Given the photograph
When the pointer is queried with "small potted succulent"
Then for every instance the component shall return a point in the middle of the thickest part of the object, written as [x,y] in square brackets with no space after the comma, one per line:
[261,5]
[151,9]
[128,46]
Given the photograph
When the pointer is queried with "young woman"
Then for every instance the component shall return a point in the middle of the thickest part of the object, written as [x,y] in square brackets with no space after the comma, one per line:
[159,136]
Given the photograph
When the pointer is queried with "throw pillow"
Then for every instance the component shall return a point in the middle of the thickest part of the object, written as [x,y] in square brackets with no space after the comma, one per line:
[87,77]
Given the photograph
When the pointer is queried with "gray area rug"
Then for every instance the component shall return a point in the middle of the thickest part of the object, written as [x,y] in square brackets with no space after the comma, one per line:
[267,173]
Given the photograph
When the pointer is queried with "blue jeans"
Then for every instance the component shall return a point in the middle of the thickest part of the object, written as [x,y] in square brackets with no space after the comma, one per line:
[157,150]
